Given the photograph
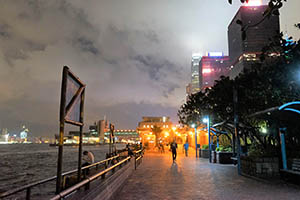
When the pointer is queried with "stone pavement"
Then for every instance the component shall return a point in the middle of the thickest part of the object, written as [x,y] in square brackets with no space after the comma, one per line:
[158,178]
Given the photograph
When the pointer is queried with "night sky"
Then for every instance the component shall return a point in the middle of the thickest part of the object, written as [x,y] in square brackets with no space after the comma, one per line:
[134,56]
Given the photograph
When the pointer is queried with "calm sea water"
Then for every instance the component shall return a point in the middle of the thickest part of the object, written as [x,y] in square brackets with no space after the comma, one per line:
[26,163]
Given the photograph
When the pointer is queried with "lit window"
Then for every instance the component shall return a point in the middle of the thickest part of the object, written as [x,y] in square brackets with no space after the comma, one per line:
[164,119]
[147,126]
[151,126]
[144,126]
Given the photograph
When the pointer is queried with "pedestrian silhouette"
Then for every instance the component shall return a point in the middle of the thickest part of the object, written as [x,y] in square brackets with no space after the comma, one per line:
[174,150]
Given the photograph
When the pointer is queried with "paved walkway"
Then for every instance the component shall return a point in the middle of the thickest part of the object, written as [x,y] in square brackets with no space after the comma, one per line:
[158,178]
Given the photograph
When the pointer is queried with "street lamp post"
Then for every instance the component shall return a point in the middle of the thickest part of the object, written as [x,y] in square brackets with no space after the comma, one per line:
[195,127]
[236,129]
[206,120]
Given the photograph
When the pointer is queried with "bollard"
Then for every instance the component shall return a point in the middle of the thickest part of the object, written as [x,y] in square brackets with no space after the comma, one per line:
[28,191]
[103,176]
[87,186]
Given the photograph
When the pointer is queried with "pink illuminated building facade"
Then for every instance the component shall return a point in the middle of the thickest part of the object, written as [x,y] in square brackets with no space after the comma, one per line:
[211,68]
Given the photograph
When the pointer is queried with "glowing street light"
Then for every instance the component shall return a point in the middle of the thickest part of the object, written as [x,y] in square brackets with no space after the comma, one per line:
[205,120]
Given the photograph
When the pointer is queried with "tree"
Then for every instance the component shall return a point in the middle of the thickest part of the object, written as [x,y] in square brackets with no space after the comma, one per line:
[156,130]
[270,83]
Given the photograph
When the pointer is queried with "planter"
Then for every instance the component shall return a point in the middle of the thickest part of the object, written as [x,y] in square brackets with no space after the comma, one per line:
[264,167]
[204,153]
[224,157]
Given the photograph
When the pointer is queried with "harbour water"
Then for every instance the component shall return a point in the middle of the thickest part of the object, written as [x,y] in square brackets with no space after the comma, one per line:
[26,163]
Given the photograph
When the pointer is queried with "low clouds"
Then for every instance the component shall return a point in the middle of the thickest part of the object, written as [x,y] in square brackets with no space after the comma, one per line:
[86,45]
[119,64]
[134,56]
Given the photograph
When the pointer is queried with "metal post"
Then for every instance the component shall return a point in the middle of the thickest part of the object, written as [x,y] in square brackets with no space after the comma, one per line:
[79,155]
[209,139]
[109,144]
[283,149]
[196,141]
[28,192]
[80,137]
[61,129]
[236,128]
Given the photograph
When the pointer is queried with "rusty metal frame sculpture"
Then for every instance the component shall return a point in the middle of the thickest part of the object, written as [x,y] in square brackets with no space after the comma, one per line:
[67,105]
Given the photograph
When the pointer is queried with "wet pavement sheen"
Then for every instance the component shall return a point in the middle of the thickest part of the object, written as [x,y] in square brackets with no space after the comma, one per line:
[158,178]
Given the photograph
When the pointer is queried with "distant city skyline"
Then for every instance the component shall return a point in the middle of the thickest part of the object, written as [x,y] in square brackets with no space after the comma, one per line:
[135,62]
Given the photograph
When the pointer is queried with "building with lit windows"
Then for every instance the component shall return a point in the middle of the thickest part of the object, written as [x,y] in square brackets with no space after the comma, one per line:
[124,136]
[211,68]
[196,57]
[244,53]
[148,123]
[188,90]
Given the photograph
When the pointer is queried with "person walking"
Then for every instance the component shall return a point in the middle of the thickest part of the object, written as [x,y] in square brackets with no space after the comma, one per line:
[174,150]
[186,148]
[162,147]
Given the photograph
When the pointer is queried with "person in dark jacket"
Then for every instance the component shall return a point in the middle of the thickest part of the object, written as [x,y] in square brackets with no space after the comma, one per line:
[174,150]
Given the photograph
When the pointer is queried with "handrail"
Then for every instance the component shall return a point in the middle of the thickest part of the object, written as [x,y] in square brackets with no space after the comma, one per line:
[139,151]
[100,162]
[87,180]
[137,157]
[29,186]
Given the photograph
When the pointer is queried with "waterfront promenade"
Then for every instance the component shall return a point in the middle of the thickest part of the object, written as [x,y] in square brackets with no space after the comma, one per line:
[158,178]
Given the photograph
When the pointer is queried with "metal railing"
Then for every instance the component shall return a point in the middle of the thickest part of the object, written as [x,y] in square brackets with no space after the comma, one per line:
[31,185]
[88,180]
[138,155]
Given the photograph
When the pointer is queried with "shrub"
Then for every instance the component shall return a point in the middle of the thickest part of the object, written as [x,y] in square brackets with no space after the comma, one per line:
[223,149]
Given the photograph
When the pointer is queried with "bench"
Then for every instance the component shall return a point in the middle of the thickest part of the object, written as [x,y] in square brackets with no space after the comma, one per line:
[295,167]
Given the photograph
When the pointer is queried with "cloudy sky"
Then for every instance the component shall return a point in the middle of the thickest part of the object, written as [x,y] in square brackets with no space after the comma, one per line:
[134,55]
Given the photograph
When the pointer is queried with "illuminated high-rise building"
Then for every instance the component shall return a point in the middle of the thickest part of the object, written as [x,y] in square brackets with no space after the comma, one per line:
[188,90]
[243,53]
[196,57]
[211,68]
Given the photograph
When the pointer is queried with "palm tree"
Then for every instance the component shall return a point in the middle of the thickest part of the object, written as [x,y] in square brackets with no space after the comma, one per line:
[156,130]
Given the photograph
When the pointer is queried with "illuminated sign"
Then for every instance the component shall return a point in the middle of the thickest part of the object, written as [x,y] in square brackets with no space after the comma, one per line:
[215,54]
[196,55]
[206,71]
[254,3]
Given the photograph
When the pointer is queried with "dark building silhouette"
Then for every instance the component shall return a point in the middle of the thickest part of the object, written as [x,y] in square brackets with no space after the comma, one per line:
[243,53]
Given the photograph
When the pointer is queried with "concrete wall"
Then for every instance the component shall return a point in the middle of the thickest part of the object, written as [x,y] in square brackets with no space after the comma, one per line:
[260,167]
